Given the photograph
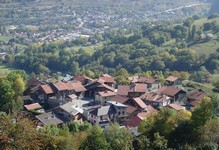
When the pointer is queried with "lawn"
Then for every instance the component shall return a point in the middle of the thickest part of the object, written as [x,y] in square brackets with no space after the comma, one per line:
[5,38]
[205,47]
[4,69]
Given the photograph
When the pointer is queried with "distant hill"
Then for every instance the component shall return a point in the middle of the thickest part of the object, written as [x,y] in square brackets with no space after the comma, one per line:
[215,7]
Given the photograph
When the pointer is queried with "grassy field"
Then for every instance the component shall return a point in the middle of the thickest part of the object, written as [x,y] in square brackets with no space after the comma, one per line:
[4,69]
[5,38]
[205,47]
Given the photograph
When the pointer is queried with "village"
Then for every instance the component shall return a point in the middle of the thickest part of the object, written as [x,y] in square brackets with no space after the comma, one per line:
[101,101]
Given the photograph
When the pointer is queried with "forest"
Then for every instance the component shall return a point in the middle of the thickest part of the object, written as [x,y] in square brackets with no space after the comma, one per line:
[165,47]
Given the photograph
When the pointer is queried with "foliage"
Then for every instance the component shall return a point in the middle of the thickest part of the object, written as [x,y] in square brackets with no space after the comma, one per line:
[118,138]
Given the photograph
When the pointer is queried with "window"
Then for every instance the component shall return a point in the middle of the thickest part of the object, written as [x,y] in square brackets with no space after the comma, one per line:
[119,113]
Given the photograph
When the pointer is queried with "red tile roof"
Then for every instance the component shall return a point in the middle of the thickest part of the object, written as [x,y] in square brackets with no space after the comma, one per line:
[137,79]
[33,106]
[81,78]
[172,78]
[176,106]
[133,122]
[60,86]
[47,89]
[139,103]
[33,82]
[131,109]
[69,86]
[196,97]
[107,93]
[119,99]
[137,87]
[169,91]
[78,87]
[105,75]
[154,97]
[107,79]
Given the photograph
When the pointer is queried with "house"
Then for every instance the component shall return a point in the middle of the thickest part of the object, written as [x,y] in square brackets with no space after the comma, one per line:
[121,110]
[83,79]
[103,97]
[26,99]
[174,93]
[139,103]
[173,81]
[75,87]
[152,83]
[47,92]
[134,121]
[60,90]
[120,99]
[48,119]
[133,90]
[108,80]
[97,86]
[70,112]
[156,100]
[194,98]
[175,106]
[102,116]
[33,85]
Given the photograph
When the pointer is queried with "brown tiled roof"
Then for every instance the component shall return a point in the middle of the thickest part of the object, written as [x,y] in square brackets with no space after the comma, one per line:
[131,109]
[172,78]
[33,82]
[107,87]
[133,121]
[69,86]
[146,80]
[137,79]
[33,106]
[108,79]
[105,75]
[81,78]
[47,89]
[78,87]
[120,99]
[196,97]
[60,86]
[107,93]
[149,111]
[169,91]
[137,87]
[154,97]
[176,106]
[139,103]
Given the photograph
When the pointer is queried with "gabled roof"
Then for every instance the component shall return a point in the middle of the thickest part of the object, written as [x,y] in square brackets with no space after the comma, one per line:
[154,97]
[175,106]
[49,118]
[71,108]
[139,103]
[104,110]
[107,94]
[60,86]
[131,109]
[196,97]
[81,78]
[98,83]
[33,106]
[172,78]
[137,79]
[133,121]
[33,82]
[107,79]
[169,91]
[134,88]
[78,87]
[69,86]
[120,99]
[105,75]
[47,89]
